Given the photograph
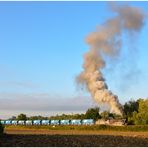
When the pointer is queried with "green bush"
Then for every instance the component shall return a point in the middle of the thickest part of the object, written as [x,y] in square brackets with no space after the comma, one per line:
[1,129]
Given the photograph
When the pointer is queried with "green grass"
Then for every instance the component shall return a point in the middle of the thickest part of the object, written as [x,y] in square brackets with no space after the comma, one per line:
[143,128]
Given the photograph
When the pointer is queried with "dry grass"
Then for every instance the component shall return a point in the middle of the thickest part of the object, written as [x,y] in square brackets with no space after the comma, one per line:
[20,131]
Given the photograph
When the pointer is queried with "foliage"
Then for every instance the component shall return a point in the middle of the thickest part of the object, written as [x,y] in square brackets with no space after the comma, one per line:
[93,113]
[1,129]
[107,115]
[37,118]
[136,112]
[141,117]
[21,117]
[130,107]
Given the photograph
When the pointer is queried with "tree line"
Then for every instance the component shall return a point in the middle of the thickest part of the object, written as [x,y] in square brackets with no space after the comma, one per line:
[135,113]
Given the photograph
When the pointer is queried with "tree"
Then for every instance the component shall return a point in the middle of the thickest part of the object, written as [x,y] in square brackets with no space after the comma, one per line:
[136,112]
[1,129]
[93,113]
[21,117]
[130,108]
[37,118]
[105,115]
[141,117]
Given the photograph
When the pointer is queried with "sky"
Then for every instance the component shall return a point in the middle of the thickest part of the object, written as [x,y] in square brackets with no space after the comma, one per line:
[41,52]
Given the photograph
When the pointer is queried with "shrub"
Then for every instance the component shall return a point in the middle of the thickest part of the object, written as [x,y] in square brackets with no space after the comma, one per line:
[1,129]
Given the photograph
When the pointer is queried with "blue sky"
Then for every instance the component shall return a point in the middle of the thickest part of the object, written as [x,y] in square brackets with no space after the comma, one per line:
[41,52]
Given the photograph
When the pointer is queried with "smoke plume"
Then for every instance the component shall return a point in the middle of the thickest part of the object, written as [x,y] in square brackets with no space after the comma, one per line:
[106,40]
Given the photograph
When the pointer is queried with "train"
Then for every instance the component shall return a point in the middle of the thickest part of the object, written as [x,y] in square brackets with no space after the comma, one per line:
[49,122]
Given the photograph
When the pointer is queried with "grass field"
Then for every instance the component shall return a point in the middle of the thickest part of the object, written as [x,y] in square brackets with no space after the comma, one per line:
[142,128]
[71,136]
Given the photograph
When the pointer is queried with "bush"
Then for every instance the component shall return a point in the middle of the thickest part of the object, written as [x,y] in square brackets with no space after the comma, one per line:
[1,129]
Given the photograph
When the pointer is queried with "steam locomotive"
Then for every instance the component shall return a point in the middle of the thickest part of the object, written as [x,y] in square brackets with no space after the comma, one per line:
[48,122]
